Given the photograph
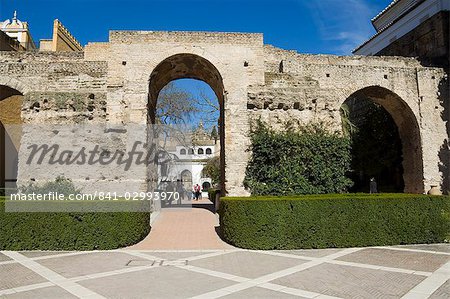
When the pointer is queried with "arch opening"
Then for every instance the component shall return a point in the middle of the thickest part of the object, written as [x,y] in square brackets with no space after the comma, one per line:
[10,135]
[172,73]
[386,142]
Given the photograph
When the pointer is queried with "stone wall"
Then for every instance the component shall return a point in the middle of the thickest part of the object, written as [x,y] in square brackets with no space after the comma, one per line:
[111,84]
[307,88]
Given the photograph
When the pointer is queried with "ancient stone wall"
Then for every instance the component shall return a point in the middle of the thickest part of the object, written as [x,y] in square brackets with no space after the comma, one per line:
[306,88]
[112,84]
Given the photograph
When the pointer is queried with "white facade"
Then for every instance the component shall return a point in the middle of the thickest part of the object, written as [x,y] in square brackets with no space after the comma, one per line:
[19,31]
[186,164]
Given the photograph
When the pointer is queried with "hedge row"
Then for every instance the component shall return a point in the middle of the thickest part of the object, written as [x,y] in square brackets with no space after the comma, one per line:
[71,231]
[327,221]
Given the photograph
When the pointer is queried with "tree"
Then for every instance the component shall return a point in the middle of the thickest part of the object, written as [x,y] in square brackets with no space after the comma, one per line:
[214,134]
[212,170]
[309,160]
[175,106]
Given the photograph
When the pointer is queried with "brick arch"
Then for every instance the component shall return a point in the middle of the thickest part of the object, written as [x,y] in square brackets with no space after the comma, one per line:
[409,130]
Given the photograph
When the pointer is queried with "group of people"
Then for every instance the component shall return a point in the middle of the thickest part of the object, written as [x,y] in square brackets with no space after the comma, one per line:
[196,192]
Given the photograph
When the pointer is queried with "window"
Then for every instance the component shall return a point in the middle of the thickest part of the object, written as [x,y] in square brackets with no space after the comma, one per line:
[200,151]
[208,151]
[191,151]
[183,151]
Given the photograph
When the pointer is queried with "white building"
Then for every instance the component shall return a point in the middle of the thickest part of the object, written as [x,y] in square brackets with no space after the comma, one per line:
[186,162]
[19,31]
[413,28]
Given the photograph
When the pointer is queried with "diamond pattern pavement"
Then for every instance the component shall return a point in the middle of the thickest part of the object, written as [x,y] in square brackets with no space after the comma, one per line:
[387,272]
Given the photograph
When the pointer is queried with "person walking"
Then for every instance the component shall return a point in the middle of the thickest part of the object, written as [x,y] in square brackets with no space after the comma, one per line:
[197,191]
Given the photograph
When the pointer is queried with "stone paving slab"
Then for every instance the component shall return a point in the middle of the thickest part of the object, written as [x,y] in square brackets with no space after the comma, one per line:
[230,274]
[86,264]
[16,275]
[445,248]
[4,258]
[32,254]
[175,255]
[311,252]
[418,261]
[247,264]
[442,292]
[260,293]
[47,293]
[162,282]
[351,282]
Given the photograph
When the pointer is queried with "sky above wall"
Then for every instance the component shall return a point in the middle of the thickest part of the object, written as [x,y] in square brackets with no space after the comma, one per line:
[308,26]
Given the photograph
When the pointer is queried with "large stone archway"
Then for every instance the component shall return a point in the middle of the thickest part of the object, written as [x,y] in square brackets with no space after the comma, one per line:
[189,66]
[120,80]
[409,131]
[11,101]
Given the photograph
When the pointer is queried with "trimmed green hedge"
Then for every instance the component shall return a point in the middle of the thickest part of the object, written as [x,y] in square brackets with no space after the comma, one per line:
[326,221]
[212,194]
[71,231]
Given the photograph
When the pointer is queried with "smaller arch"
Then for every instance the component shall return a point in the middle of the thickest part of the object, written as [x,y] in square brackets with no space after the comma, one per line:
[14,84]
[186,179]
[191,151]
[209,151]
[408,130]
[183,152]
[206,186]
[200,151]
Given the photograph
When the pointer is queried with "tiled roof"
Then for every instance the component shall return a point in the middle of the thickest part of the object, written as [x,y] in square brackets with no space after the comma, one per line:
[393,3]
[385,10]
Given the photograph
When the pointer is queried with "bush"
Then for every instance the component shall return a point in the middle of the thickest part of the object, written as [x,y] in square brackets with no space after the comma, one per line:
[310,160]
[71,231]
[212,194]
[212,170]
[61,185]
[327,221]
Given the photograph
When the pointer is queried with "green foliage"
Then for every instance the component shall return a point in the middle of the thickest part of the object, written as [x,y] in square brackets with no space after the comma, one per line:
[348,127]
[212,192]
[71,231]
[61,185]
[214,134]
[212,170]
[309,160]
[326,221]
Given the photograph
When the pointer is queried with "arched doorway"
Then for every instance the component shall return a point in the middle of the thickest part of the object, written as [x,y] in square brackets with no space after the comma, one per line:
[188,66]
[386,117]
[186,179]
[10,135]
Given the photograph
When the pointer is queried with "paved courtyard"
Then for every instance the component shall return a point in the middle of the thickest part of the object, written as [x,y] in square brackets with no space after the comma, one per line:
[183,257]
[421,271]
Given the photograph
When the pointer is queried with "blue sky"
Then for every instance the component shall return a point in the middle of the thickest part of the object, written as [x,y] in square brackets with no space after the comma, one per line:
[308,26]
